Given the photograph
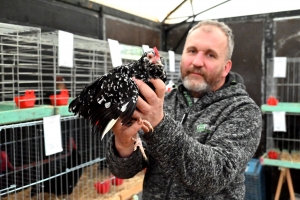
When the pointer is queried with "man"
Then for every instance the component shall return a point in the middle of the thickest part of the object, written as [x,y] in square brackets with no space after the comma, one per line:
[205,132]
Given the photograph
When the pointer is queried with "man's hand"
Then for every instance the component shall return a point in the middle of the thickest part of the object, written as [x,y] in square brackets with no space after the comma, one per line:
[150,110]
[123,137]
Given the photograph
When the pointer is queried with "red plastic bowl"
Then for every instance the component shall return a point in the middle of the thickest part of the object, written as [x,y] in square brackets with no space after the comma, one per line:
[117,181]
[60,99]
[272,101]
[27,100]
[273,154]
[102,187]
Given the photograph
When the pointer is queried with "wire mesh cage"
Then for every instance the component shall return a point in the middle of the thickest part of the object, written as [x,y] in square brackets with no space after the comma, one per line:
[34,65]
[284,145]
[91,60]
[29,60]
[286,142]
[20,66]
[285,89]
[27,173]
[172,75]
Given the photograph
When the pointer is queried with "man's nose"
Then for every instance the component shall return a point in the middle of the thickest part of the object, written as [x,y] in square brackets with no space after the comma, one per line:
[199,59]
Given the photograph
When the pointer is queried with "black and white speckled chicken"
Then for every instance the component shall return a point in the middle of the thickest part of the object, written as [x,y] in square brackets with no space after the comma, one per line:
[114,95]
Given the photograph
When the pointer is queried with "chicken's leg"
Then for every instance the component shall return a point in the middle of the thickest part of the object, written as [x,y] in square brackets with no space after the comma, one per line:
[137,139]
[138,143]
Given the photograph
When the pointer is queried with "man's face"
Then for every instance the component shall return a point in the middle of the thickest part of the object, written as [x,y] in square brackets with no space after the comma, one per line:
[204,63]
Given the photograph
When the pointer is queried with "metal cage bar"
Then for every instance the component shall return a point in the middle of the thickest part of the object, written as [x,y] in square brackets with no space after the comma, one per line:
[20,62]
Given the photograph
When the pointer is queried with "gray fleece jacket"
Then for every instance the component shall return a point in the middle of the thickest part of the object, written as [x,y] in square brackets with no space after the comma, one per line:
[205,156]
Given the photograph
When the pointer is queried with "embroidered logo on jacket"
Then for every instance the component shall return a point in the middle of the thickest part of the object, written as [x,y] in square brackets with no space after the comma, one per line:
[202,128]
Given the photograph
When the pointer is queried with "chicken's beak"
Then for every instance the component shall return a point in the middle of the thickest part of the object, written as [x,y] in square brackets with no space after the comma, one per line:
[159,63]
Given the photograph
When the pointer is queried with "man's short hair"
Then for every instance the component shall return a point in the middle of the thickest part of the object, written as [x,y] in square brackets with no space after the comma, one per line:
[223,27]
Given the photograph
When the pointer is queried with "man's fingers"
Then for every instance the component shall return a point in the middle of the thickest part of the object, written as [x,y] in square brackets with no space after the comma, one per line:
[160,87]
[148,93]
[123,137]
[142,105]
[144,89]
[150,109]
[125,130]
[137,114]
[133,128]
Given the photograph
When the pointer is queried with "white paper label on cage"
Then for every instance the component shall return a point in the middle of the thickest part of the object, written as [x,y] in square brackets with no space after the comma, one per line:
[279,67]
[171,61]
[52,135]
[145,47]
[65,49]
[279,121]
[115,52]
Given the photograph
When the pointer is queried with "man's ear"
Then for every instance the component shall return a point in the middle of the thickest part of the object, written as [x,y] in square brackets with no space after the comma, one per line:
[227,68]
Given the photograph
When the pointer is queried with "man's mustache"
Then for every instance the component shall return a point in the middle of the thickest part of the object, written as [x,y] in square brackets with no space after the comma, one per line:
[197,71]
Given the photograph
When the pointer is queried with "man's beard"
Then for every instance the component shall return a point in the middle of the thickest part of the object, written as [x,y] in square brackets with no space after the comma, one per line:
[195,86]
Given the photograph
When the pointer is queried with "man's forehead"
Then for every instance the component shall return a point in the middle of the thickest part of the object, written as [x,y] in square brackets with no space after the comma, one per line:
[207,28]
[208,34]
[215,42]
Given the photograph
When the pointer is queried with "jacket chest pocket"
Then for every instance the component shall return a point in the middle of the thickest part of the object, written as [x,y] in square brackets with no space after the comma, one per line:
[203,131]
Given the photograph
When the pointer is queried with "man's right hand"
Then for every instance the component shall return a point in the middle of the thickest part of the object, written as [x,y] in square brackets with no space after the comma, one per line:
[123,137]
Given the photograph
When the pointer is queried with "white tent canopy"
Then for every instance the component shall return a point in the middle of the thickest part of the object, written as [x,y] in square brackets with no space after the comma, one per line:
[176,11]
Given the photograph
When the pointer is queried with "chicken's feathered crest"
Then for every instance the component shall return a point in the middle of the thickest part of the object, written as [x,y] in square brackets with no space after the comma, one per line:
[156,53]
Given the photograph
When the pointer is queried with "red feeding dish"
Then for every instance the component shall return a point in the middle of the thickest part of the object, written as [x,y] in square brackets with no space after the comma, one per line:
[61,99]
[272,101]
[103,187]
[273,154]
[26,101]
[117,181]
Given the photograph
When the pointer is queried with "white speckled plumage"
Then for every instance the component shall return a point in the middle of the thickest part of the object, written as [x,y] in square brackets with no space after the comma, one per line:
[114,95]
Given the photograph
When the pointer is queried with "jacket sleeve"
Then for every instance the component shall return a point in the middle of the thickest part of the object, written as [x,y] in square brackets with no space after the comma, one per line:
[207,168]
[123,167]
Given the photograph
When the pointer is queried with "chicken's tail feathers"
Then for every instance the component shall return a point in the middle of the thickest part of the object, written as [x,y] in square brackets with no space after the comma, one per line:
[74,106]
[100,117]
[125,116]
[103,119]
[80,105]
[109,126]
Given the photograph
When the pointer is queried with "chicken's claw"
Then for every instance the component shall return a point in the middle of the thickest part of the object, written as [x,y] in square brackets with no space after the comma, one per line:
[138,143]
[147,125]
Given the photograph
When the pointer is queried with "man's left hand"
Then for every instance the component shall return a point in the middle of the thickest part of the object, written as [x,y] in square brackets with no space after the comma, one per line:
[151,109]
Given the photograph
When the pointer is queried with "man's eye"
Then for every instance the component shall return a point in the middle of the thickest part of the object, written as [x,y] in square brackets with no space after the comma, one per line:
[211,55]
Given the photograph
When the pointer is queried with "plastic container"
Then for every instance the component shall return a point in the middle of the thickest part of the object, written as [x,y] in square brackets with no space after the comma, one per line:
[27,100]
[272,101]
[117,181]
[61,99]
[255,181]
[102,187]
